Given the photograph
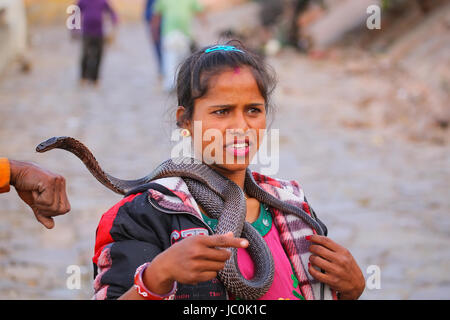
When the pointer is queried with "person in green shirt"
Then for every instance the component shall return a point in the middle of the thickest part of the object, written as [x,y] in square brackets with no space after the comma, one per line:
[176,31]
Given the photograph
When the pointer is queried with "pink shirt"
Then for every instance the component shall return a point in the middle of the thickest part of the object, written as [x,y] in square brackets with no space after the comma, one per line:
[284,282]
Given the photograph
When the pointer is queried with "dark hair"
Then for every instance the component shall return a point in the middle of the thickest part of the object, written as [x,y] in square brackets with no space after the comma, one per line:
[195,73]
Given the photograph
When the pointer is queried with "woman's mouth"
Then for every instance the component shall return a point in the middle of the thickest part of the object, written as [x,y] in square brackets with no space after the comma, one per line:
[238,149]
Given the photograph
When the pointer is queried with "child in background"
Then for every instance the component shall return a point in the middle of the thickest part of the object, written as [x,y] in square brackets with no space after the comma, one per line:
[176,33]
[93,36]
[154,27]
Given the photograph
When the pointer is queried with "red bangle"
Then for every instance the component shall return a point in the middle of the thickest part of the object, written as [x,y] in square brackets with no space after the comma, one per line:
[142,290]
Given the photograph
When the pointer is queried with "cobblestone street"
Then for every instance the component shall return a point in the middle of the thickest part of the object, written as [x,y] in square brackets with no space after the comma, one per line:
[383,197]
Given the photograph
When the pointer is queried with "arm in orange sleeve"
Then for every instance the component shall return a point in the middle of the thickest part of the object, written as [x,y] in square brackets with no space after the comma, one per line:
[5,173]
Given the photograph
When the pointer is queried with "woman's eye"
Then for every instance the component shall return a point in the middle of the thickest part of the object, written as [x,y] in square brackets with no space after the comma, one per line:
[254,110]
[221,112]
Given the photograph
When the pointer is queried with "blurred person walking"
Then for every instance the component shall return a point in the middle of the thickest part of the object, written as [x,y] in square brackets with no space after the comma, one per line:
[92,29]
[176,34]
[295,33]
[154,27]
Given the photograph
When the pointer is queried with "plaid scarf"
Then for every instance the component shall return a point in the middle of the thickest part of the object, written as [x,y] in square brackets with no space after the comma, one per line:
[292,228]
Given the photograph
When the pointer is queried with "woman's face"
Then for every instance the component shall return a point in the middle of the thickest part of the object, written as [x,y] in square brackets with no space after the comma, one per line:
[233,119]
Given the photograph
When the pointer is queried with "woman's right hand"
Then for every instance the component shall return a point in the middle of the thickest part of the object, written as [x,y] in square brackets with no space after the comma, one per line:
[194,259]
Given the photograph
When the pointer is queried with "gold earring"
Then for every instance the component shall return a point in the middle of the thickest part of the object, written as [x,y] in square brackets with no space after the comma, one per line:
[185,133]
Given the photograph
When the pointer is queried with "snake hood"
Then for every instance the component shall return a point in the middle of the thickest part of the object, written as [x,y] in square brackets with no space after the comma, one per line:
[155,216]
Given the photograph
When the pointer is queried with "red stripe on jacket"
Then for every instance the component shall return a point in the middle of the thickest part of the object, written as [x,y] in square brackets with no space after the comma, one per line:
[103,237]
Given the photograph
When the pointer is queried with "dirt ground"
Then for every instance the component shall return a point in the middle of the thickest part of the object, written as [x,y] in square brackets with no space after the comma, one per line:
[383,196]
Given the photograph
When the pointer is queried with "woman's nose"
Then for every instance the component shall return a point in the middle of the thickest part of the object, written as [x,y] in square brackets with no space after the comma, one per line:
[239,122]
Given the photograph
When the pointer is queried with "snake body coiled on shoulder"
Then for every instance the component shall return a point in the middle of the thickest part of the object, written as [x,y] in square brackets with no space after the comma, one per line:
[220,197]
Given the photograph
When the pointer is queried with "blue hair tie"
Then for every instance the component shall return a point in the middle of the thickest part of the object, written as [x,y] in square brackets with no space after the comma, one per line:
[223,48]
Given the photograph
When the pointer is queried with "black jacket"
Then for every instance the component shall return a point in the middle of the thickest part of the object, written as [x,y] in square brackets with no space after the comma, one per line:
[134,232]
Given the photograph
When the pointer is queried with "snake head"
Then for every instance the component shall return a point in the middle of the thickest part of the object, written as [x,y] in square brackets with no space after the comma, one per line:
[50,144]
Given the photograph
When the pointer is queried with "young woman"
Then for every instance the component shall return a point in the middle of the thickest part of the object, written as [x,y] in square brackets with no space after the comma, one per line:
[158,243]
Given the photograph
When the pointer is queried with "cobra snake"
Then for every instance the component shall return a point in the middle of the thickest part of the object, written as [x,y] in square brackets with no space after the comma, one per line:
[220,197]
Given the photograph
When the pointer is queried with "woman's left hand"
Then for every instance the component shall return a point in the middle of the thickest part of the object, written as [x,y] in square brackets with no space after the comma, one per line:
[340,270]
